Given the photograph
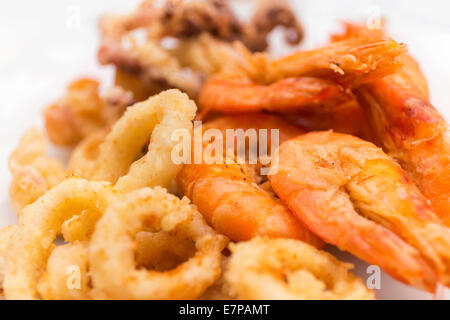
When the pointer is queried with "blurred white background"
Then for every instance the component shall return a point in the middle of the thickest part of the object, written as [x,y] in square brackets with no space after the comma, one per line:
[45,44]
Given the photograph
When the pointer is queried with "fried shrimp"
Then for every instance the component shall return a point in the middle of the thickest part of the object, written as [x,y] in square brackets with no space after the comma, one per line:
[290,94]
[233,197]
[294,82]
[267,269]
[154,210]
[152,120]
[313,103]
[349,62]
[346,117]
[354,196]
[83,111]
[410,128]
[33,172]
[413,132]
[72,208]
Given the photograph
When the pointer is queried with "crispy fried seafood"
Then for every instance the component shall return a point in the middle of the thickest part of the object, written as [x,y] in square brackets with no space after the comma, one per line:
[194,24]
[183,19]
[290,94]
[72,208]
[265,268]
[175,239]
[154,210]
[82,111]
[65,260]
[146,202]
[33,173]
[312,84]
[234,198]
[354,196]
[6,239]
[410,128]
[313,103]
[158,251]
[349,62]
[151,123]
[346,117]
[286,83]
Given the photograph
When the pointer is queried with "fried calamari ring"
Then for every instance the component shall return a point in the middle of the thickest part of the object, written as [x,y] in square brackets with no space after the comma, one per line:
[66,276]
[33,173]
[157,210]
[72,208]
[154,119]
[265,268]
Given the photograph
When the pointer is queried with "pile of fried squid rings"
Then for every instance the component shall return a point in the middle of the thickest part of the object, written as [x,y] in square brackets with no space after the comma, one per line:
[363,164]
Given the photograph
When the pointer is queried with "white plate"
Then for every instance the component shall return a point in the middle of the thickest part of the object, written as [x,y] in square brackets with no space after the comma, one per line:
[46,44]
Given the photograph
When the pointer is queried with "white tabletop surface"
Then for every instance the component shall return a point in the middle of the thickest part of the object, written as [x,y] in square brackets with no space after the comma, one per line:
[45,44]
